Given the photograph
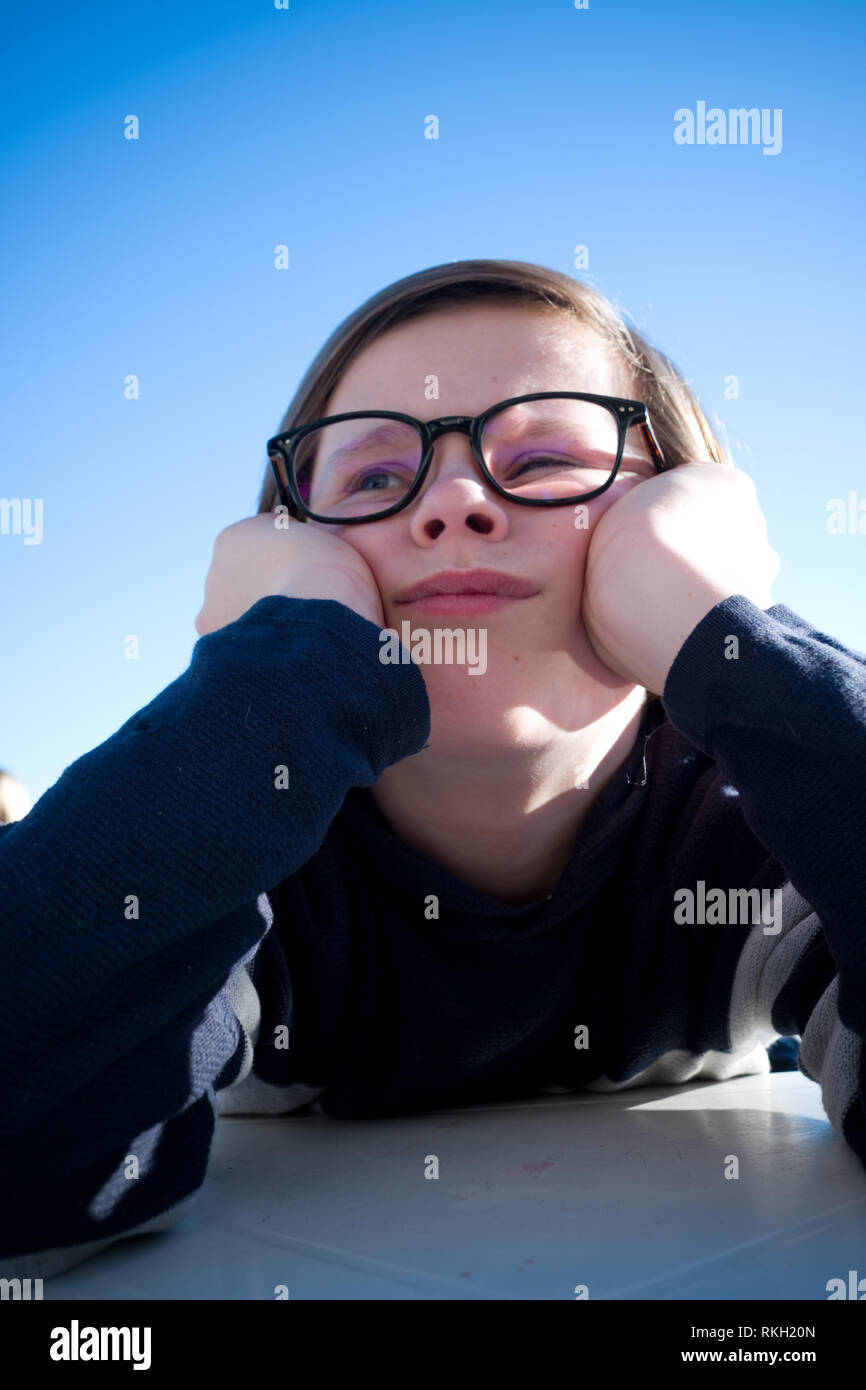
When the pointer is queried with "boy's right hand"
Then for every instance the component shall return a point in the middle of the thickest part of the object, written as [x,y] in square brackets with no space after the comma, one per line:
[254,558]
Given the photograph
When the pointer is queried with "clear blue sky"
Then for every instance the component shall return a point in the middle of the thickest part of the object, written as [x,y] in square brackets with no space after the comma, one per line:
[305,126]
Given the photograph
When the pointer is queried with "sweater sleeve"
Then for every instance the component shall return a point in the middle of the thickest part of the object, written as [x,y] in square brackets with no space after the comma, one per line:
[781,709]
[134,889]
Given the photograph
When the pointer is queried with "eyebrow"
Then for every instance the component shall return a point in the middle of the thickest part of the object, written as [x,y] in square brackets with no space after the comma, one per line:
[390,430]
[383,434]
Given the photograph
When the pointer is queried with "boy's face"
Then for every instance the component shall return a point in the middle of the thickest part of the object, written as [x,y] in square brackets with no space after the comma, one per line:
[536,646]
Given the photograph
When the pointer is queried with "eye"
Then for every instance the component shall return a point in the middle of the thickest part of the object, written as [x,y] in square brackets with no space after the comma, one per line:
[543,461]
[356,482]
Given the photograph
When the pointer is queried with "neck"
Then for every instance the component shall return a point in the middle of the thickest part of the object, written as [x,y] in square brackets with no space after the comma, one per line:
[503,818]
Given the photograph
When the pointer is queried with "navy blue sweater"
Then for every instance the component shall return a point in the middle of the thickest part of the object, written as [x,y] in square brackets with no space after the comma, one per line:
[208,914]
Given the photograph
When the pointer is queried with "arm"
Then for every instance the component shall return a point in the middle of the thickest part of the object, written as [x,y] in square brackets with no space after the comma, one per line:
[782,711]
[135,886]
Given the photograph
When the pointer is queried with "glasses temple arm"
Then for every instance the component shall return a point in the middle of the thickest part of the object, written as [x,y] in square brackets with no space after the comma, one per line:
[655,450]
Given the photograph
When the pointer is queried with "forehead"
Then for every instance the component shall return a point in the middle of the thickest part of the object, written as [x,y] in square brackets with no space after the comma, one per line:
[476,355]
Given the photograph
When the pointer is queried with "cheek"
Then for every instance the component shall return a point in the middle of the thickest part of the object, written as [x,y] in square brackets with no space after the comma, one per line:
[574,529]
[589,514]
[567,543]
[353,536]
[372,548]
[569,536]
[619,487]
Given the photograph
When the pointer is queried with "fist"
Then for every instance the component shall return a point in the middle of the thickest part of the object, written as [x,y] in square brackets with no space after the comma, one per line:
[662,556]
[271,554]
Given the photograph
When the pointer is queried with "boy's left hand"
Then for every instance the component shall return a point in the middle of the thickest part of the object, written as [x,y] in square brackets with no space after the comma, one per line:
[662,556]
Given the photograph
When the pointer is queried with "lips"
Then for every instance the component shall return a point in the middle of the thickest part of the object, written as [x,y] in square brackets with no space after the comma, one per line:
[477,581]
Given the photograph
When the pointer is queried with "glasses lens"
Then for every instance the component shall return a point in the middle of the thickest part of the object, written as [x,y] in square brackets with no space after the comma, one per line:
[549,449]
[357,467]
[554,448]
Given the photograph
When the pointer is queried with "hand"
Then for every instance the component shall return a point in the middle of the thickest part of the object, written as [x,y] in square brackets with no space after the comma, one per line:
[662,556]
[261,555]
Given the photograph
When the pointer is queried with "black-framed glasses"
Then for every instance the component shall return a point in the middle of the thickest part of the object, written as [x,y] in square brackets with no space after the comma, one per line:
[547,449]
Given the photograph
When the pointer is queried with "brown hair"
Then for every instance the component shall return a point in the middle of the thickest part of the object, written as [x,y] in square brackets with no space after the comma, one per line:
[679,423]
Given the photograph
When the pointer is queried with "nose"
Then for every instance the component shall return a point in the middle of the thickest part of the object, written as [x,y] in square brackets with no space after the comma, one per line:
[456,497]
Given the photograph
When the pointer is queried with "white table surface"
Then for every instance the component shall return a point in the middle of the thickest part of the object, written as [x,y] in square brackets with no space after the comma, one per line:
[623,1192]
